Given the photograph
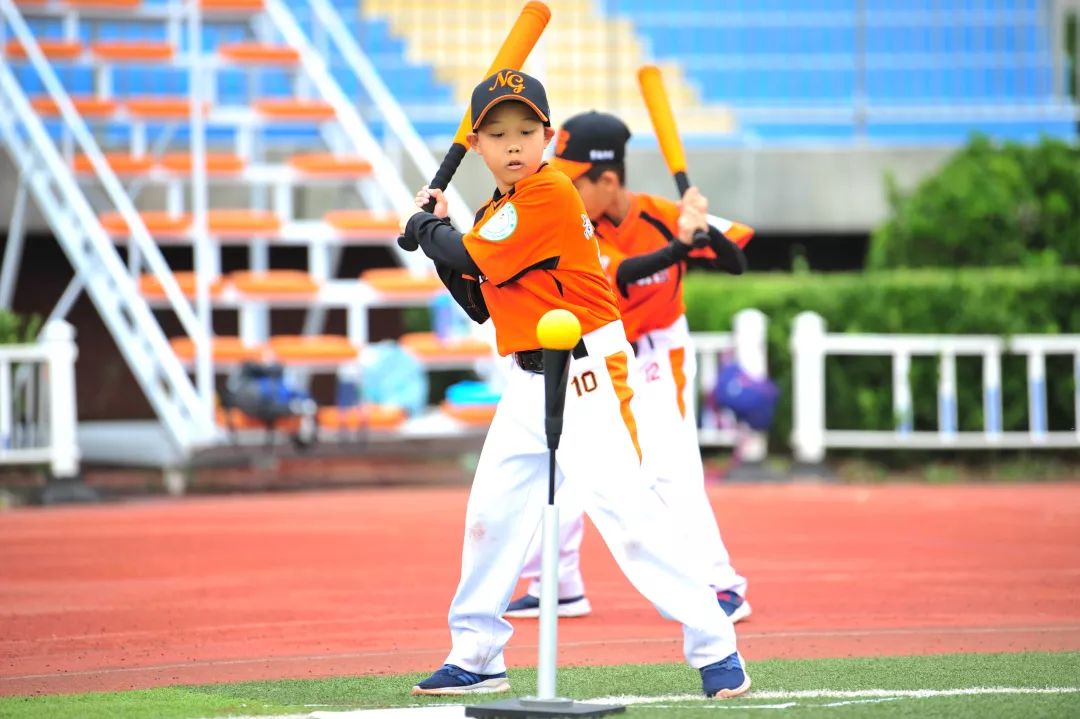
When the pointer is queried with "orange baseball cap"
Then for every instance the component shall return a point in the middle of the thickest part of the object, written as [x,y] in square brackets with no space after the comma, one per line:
[506,85]
[589,138]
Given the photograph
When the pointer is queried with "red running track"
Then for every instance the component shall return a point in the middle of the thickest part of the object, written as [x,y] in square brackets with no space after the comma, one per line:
[356,582]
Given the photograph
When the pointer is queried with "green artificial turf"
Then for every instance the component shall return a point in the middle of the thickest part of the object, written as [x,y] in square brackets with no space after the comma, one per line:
[676,686]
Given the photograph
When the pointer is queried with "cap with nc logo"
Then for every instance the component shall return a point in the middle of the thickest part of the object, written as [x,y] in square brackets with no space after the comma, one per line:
[505,85]
[589,138]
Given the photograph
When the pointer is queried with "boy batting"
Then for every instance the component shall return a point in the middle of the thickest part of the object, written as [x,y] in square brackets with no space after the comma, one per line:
[533,249]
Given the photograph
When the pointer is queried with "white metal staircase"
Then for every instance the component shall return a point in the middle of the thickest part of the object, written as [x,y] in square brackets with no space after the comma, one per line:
[97,264]
[68,171]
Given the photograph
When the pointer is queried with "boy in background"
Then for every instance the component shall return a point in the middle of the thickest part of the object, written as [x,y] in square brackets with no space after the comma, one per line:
[645,250]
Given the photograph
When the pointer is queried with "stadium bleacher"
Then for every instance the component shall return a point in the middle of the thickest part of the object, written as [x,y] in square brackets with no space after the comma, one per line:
[915,70]
[744,71]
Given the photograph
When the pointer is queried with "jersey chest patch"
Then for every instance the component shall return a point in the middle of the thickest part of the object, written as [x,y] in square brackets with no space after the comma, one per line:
[500,225]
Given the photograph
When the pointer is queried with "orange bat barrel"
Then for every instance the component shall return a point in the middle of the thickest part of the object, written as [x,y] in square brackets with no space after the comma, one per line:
[519,42]
[663,121]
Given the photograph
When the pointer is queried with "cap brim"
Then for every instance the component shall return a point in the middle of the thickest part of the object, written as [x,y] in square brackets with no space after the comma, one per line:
[517,98]
[570,168]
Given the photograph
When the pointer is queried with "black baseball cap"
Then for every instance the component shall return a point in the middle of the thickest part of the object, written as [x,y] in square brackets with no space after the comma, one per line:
[588,138]
[505,85]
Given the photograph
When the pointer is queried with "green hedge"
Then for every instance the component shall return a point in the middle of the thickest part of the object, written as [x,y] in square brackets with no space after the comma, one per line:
[989,301]
[990,205]
[15,329]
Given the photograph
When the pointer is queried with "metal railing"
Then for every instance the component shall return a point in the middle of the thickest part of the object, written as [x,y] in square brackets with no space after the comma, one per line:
[811,344]
[38,416]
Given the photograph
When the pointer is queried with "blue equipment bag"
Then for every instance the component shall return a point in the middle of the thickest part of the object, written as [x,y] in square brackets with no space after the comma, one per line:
[751,400]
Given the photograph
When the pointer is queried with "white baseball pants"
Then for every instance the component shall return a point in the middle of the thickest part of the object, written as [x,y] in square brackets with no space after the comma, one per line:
[666,371]
[597,458]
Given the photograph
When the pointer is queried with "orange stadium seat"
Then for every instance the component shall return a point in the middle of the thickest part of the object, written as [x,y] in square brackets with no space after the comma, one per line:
[238,420]
[159,223]
[472,414]
[274,282]
[322,163]
[427,346]
[150,287]
[121,163]
[302,349]
[217,163]
[254,53]
[363,223]
[233,223]
[232,5]
[52,49]
[225,349]
[132,51]
[161,107]
[368,416]
[400,281]
[105,3]
[295,110]
[85,106]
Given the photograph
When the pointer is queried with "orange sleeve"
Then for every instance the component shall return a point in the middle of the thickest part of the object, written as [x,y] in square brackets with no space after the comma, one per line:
[610,259]
[530,229]
[703,253]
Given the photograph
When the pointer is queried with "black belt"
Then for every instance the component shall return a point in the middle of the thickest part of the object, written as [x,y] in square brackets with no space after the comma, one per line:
[533,360]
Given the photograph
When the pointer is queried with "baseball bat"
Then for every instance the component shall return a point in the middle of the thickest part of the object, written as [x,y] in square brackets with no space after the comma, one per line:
[516,47]
[667,134]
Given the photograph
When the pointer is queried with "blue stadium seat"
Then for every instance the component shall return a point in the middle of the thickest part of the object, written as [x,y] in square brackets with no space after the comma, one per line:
[796,53]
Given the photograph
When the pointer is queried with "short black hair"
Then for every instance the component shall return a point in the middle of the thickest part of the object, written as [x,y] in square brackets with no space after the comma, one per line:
[599,168]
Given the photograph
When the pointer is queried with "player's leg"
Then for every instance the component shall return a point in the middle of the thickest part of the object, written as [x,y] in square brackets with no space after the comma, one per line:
[667,387]
[572,599]
[599,453]
[505,503]
[725,579]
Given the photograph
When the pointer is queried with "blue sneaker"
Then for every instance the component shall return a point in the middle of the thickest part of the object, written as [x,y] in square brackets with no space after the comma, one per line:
[725,679]
[452,680]
[528,607]
[734,606]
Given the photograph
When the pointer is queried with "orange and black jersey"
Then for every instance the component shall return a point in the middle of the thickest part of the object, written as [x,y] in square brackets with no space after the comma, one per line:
[535,250]
[645,261]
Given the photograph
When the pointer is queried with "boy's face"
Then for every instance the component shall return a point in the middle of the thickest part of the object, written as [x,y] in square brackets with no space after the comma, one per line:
[598,195]
[511,140]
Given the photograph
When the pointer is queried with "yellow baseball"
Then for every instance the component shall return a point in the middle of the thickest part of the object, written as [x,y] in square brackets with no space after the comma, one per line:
[558,330]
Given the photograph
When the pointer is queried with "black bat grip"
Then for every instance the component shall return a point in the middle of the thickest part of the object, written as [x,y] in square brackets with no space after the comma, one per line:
[442,178]
[682,182]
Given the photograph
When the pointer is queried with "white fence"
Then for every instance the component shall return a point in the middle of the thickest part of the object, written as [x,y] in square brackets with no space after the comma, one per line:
[746,344]
[37,402]
[810,345]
